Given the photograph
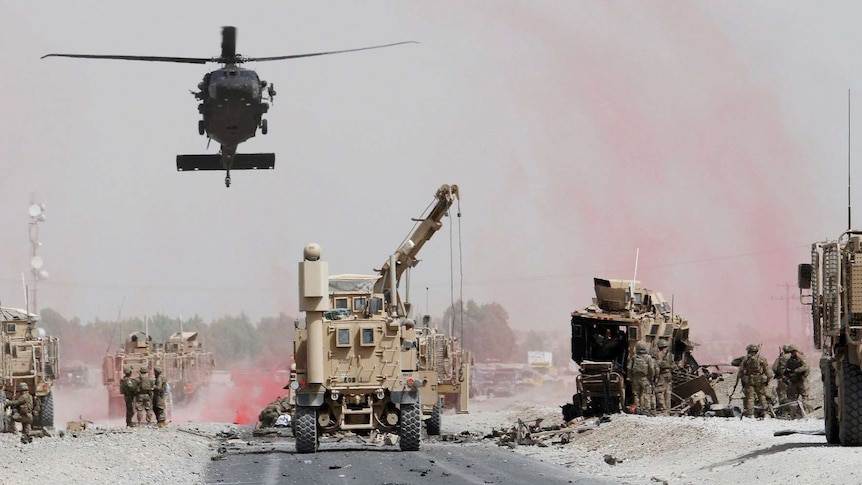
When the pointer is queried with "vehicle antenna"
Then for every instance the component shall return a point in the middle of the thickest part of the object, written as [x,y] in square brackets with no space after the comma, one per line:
[849,225]
[114,331]
[635,277]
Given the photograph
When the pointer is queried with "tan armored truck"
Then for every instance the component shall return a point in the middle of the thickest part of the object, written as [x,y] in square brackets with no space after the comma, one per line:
[356,355]
[832,285]
[443,354]
[27,355]
[604,337]
[186,366]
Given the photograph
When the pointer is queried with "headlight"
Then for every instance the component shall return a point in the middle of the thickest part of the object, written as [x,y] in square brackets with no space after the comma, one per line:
[294,385]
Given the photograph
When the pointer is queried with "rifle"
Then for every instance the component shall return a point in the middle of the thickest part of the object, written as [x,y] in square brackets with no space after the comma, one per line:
[730,396]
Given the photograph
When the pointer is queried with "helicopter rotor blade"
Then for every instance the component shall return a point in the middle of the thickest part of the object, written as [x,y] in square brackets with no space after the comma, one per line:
[297,56]
[183,60]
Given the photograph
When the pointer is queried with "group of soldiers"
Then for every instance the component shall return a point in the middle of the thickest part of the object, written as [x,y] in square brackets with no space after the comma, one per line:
[650,376]
[144,396]
[790,371]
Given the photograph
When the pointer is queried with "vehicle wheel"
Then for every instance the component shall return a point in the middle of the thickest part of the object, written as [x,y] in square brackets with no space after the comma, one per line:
[432,424]
[830,413]
[263,127]
[201,127]
[410,427]
[850,410]
[46,415]
[306,429]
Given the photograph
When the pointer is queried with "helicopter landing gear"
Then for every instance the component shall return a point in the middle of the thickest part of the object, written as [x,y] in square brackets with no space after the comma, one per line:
[227,179]
[263,127]
[201,127]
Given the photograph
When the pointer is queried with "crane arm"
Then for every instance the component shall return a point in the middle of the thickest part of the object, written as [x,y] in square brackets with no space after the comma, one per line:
[406,254]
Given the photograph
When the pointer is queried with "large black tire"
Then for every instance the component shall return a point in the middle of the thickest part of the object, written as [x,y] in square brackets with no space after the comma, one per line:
[432,424]
[410,427]
[46,414]
[830,413]
[850,394]
[306,429]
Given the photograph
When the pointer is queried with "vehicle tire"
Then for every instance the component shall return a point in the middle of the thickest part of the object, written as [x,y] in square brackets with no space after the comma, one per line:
[830,413]
[46,415]
[264,129]
[306,429]
[432,424]
[410,427]
[850,412]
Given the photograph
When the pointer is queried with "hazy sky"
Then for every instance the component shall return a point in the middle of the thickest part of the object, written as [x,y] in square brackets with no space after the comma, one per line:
[712,136]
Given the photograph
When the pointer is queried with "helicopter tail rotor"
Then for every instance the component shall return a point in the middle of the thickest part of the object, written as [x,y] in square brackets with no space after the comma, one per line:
[228,43]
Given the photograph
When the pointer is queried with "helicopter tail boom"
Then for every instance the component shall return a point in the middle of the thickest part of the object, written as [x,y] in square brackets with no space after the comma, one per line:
[241,161]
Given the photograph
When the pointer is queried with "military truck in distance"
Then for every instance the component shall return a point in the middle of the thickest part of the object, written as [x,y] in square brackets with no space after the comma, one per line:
[186,366]
[604,336]
[833,281]
[451,365]
[27,355]
[357,354]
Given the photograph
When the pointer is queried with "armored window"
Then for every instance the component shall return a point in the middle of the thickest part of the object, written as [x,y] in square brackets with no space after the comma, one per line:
[634,334]
[367,336]
[341,303]
[576,331]
[342,337]
[668,331]
[359,303]
[653,329]
[376,305]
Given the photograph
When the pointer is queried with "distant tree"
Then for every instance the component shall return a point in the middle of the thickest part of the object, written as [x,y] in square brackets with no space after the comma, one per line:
[486,331]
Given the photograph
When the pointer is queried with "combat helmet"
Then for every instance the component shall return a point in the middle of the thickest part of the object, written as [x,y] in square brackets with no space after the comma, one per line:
[157,369]
[22,386]
[662,343]
[641,345]
[792,348]
[144,369]
[786,348]
[752,348]
[127,370]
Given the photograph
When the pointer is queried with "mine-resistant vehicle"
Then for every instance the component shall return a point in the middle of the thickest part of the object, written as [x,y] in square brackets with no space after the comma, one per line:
[356,355]
[451,363]
[832,285]
[604,337]
[27,355]
[187,367]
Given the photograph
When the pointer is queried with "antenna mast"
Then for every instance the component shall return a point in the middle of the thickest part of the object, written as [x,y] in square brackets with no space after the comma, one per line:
[849,224]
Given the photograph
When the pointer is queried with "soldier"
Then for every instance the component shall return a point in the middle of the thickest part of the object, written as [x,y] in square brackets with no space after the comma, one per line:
[796,372]
[129,389]
[664,362]
[754,374]
[144,398]
[22,407]
[642,373]
[778,373]
[270,414]
[159,389]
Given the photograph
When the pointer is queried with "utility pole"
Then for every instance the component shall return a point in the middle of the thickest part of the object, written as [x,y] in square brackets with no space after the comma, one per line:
[787,297]
[37,215]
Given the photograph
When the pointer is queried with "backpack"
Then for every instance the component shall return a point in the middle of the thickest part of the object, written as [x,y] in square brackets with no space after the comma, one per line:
[146,384]
[640,366]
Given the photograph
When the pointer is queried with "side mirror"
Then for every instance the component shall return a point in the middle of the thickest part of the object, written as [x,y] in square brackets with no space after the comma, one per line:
[804,276]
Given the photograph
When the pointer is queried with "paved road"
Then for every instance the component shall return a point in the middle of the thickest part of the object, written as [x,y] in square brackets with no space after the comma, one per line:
[274,461]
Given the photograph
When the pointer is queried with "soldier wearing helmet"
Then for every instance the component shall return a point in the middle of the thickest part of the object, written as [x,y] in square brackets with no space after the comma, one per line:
[144,397]
[22,410]
[664,361]
[778,367]
[159,391]
[642,372]
[129,389]
[754,375]
[796,372]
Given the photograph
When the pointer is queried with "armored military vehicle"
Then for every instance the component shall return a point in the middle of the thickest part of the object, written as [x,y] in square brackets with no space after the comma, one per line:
[443,354]
[357,364]
[27,355]
[604,336]
[186,366]
[832,285]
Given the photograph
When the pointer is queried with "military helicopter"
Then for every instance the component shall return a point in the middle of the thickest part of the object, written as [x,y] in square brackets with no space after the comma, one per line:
[232,103]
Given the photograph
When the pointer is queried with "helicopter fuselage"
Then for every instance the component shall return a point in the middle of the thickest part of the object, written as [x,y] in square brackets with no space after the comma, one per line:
[232,105]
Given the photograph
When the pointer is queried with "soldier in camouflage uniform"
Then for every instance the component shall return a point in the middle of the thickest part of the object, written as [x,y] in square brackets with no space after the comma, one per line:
[796,372]
[159,390]
[754,373]
[778,374]
[22,410]
[129,389]
[664,361]
[642,373]
[144,398]
[270,414]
